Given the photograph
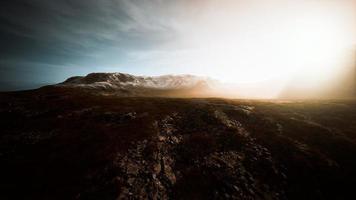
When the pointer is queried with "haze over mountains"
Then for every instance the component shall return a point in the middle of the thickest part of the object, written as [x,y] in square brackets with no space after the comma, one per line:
[178,99]
[122,84]
[122,80]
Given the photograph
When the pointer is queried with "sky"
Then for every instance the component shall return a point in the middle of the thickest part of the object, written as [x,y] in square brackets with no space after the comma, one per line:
[255,43]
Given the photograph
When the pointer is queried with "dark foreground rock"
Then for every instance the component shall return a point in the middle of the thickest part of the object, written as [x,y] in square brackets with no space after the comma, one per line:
[61,143]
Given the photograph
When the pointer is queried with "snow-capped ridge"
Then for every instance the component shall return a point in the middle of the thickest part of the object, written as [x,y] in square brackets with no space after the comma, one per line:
[128,81]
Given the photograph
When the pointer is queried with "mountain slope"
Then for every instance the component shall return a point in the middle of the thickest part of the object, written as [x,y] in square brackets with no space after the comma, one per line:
[129,85]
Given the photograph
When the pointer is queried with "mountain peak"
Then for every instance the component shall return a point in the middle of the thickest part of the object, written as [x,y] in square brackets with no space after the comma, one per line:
[141,85]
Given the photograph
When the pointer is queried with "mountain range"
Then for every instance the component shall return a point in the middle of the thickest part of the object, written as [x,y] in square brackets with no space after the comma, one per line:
[122,84]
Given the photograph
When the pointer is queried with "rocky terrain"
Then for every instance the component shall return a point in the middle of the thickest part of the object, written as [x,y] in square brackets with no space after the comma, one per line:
[66,143]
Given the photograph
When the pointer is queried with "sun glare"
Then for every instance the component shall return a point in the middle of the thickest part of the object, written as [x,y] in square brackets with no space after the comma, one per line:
[272,45]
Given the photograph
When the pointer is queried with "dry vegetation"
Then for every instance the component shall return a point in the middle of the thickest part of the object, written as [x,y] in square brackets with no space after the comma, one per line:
[58,143]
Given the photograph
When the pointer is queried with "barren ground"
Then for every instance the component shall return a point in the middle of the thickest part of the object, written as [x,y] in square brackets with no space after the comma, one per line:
[67,144]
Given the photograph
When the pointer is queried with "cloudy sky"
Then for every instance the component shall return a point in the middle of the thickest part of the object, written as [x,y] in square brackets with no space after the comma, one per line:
[236,41]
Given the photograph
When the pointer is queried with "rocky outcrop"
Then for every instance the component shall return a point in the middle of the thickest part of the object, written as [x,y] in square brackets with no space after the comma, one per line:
[162,167]
[69,144]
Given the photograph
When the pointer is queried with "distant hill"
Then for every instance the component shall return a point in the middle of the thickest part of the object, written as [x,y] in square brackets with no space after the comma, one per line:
[129,85]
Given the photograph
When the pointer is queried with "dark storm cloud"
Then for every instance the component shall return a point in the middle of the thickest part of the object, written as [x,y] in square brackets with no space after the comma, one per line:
[44,33]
